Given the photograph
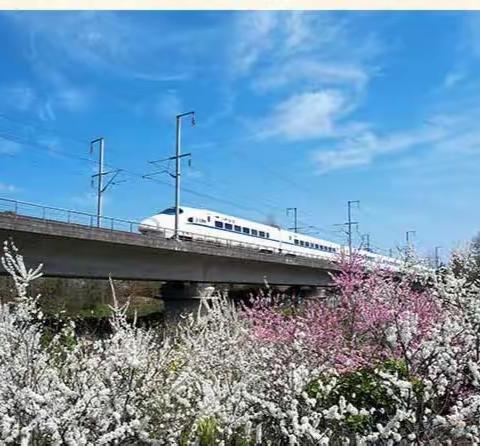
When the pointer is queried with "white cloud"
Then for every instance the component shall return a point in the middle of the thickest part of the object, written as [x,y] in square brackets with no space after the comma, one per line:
[311,55]
[313,72]
[253,38]
[122,44]
[18,96]
[161,77]
[53,93]
[7,188]
[271,46]
[45,111]
[305,116]
[453,78]
[444,135]
[72,98]
[8,147]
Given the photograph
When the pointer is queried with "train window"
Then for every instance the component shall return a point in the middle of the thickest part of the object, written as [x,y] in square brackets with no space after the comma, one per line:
[190,219]
[302,243]
[228,226]
[268,235]
[307,244]
[261,233]
[238,228]
[171,211]
[208,218]
[246,231]
[218,224]
[316,245]
[254,232]
[296,241]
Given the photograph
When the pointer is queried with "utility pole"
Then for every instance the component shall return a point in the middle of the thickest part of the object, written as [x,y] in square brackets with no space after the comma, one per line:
[178,155]
[350,223]
[409,246]
[366,239]
[295,222]
[407,236]
[101,148]
[100,187]
[437,256]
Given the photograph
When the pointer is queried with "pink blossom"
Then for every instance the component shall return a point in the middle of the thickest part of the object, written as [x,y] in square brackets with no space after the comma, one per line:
[376,314]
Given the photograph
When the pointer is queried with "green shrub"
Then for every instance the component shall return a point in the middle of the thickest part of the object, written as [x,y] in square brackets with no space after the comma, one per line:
[364,389]
[207,431]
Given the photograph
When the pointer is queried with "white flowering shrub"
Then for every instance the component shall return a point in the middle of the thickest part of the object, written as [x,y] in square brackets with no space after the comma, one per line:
[387,365]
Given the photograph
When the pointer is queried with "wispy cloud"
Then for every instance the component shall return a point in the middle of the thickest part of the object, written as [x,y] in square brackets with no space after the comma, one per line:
[7,188]
[310,72]
[161,77]
[254,31]
[445,136]
[453,78]
[122,44]
[8,147]
[272,45]
[305,116]
[18,95]
[52,94]
[363,149]
[65,49]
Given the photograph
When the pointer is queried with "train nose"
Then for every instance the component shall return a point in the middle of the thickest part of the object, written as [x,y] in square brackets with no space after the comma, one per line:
[149,224]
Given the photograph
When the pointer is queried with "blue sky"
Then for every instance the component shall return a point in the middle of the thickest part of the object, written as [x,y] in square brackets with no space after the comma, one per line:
[293,109]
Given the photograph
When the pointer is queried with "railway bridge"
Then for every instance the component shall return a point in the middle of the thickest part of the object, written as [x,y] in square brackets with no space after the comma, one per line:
[70,244]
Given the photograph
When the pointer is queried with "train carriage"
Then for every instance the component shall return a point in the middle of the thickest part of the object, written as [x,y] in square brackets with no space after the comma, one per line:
[215,227]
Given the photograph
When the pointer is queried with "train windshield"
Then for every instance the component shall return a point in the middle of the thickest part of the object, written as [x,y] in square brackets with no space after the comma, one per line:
[171,211]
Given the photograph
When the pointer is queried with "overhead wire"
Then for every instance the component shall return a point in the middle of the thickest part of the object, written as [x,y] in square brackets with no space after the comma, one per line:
[30,143]
[265,168]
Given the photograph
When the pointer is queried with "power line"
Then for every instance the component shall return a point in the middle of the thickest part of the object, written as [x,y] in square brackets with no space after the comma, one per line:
[35,124]
[265,168]
[236,204]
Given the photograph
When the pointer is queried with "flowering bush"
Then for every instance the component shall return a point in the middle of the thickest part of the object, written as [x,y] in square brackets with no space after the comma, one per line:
[375,315]
[389,359]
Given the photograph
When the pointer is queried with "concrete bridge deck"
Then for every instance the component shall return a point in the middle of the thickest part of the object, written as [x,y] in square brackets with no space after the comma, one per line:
[77,250]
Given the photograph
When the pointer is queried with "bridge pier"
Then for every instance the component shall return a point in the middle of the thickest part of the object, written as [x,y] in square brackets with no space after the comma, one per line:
[185,290]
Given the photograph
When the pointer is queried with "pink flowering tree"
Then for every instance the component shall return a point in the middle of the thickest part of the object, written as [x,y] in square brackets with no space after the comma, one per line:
[376,314]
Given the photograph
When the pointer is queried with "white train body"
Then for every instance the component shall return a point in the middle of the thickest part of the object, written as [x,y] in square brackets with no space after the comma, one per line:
[203,224]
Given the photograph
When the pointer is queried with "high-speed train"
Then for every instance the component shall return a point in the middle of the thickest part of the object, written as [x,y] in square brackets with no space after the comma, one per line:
[203,224]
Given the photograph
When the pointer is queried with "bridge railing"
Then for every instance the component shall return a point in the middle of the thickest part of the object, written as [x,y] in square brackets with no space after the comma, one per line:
[72,217]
